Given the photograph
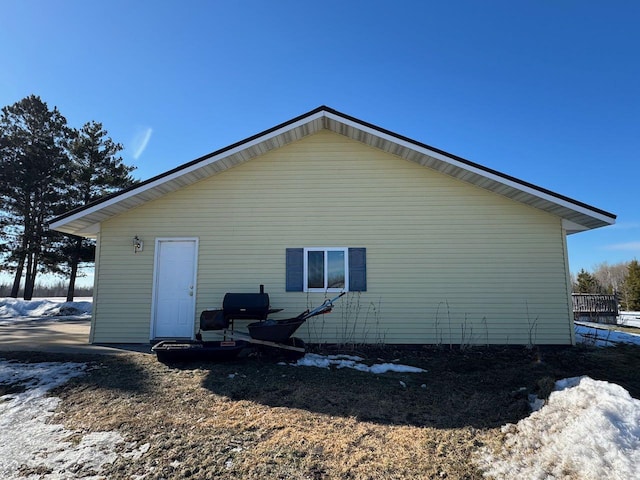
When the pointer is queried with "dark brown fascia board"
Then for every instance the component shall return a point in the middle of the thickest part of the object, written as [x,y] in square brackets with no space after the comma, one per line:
[351,119]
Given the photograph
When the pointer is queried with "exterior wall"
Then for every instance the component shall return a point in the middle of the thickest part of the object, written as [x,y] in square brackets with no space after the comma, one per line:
[96,301]
[447,262]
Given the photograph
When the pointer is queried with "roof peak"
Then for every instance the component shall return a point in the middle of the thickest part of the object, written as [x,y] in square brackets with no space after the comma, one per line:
[323,117]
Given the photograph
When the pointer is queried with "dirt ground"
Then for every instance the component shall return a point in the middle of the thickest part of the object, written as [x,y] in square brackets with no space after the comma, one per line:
[253,418]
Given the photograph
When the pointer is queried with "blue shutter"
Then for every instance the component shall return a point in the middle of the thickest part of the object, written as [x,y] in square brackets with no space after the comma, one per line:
[358,269]
[295,269]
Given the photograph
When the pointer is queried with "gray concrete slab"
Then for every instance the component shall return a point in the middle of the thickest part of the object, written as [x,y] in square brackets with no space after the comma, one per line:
[58,335]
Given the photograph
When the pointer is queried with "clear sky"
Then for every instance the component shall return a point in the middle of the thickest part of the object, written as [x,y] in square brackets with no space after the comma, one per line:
[547,91]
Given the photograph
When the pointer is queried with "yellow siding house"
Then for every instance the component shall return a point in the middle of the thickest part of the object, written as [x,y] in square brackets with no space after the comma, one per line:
[431,248]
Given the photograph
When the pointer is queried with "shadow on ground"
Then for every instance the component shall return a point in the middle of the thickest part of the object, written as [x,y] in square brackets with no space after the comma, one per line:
[483,387]
[479,388]
[123,373]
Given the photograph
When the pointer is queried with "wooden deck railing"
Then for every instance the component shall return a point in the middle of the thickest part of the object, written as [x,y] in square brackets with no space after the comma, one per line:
[595,307]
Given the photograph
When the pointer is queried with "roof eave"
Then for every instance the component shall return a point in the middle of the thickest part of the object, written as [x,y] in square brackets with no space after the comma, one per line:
[84,220]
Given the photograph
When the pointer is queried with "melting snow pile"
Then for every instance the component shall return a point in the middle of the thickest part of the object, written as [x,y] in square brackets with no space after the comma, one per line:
[597,336]
[350,361]
[13,310]
[29,441]
[588,429]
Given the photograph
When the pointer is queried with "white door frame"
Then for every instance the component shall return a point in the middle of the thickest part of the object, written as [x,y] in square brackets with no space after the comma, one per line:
[155,279]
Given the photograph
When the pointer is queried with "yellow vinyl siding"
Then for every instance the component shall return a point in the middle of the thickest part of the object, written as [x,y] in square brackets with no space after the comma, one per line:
[446,261]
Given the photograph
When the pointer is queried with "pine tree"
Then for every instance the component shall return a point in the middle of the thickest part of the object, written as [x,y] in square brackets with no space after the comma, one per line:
[33,162]
[632,287]
[96,171]
[587,283]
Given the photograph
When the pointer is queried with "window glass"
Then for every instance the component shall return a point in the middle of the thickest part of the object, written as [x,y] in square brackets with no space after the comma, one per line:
[335,269]
[315,268]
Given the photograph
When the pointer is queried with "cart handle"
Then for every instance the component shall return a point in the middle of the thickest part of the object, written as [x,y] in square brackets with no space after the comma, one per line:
[326,307]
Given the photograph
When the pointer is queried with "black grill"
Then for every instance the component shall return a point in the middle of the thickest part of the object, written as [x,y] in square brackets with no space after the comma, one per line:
[246,306]
[237,306]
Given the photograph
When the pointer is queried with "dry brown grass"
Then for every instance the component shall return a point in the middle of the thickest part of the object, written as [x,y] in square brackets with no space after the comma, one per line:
[274,421]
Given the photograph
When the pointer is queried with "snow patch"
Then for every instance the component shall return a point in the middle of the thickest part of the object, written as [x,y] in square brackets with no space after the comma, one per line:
[348,361]
[629,319]
[13,310]
[28,440]
[594,334]
[588,429]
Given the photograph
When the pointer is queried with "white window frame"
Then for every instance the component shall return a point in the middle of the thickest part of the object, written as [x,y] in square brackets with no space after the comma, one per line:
[305,280]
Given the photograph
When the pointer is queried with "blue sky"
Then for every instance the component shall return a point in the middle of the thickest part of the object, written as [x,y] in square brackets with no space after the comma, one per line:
[547,91]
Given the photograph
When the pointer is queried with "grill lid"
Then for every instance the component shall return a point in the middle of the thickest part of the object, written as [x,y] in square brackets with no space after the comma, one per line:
[246,305]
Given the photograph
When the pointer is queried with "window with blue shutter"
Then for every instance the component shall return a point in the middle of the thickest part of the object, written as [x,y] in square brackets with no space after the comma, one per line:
[326,269]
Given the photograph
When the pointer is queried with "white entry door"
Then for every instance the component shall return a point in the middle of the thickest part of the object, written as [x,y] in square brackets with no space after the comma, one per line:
[174,288]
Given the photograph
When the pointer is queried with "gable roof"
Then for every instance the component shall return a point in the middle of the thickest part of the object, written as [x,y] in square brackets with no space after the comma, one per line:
[577,216]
